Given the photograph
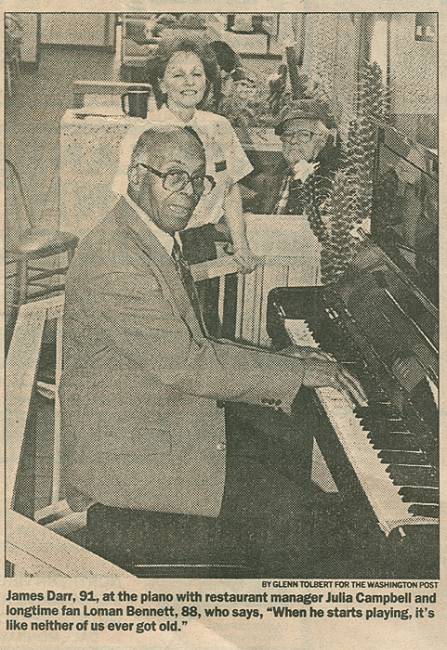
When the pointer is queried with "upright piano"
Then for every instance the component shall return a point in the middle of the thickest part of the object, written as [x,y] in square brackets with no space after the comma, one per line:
[384,458]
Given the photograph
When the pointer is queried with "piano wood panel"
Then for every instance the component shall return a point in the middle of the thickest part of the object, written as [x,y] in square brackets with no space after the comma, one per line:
[290,255]
[367,448]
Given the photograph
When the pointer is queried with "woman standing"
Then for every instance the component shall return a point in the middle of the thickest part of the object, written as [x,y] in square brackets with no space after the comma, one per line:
[182,74]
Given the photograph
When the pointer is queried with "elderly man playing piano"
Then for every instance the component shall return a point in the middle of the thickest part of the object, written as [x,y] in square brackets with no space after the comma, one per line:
[144,438]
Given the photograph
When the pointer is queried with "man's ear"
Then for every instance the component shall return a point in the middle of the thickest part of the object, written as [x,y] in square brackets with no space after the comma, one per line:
[135,176]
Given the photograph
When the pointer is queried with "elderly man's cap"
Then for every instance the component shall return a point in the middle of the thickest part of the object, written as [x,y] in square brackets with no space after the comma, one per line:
[305,109]
[242,74]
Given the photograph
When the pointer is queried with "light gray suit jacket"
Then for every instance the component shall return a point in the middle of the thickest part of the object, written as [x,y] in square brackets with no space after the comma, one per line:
[140,423]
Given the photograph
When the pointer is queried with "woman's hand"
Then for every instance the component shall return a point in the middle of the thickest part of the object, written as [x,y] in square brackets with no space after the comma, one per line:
[245,259]
[223,229]
[233,214]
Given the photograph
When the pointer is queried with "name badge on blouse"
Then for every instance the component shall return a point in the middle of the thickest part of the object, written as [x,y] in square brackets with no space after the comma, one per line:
[220,166]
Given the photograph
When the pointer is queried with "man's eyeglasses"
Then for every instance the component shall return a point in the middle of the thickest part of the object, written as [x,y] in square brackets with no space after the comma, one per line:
[176,181]
[303,137]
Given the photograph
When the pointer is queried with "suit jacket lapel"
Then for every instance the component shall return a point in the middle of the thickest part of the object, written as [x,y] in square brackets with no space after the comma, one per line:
[157,256]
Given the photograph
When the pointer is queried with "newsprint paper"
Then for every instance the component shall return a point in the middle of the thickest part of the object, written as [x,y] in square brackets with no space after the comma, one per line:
[225,438]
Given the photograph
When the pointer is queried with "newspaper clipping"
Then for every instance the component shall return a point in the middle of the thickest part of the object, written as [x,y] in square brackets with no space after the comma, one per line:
[221,324]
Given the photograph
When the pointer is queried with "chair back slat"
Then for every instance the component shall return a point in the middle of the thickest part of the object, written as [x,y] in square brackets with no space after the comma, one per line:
[57,449]
[18,218]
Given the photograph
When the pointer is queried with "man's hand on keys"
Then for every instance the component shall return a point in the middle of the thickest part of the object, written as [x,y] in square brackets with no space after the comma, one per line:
[322,370]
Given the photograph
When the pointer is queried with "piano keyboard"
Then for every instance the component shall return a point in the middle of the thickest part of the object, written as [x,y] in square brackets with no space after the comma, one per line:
[401,488]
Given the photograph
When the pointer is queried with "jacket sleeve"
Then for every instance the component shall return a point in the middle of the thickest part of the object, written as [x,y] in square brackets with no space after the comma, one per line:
[136,320]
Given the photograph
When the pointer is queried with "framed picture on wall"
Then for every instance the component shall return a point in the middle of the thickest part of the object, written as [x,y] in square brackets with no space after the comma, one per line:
[258,23]
[270,23]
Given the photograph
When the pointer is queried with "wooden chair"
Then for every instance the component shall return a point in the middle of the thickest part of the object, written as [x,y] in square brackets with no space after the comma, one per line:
[27,245]
[12,62]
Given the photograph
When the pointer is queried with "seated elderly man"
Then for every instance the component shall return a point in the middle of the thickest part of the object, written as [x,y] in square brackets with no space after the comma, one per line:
[144,439]
[309,161]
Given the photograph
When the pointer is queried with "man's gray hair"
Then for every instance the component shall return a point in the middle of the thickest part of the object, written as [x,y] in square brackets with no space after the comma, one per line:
[158,135]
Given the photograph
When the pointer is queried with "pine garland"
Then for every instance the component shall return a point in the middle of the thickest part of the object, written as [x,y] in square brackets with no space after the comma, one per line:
[359,149]
[338,244]
[315,200]
[351,198]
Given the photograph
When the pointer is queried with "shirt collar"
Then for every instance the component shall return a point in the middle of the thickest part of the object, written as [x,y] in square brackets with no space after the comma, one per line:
[168,116]
[165,239]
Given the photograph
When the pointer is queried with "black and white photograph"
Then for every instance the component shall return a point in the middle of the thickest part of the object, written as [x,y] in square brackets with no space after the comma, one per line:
[221,295]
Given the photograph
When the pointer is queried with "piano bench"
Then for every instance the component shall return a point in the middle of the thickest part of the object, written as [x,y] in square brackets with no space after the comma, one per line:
[157,544]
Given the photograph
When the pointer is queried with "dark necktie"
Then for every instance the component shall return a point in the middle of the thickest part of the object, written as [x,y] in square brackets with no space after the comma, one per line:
[184,272]
[296,200]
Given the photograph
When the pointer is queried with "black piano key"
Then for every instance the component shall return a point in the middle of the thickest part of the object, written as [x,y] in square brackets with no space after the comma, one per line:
[373,411]
[397,441]
[378,411]
[424,510]
[377,404]
[399,456]
[383,403]
[381,419]
[392,425]
[413,475]
[419,494]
